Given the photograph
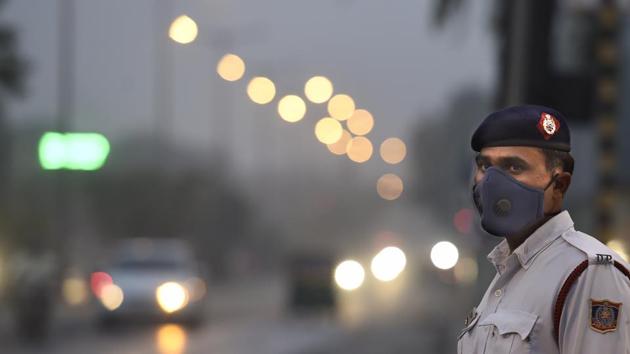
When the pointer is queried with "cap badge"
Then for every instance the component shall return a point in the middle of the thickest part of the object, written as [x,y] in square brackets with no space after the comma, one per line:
[548,125]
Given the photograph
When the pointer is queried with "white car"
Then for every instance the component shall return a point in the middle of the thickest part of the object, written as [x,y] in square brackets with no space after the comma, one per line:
[150,279]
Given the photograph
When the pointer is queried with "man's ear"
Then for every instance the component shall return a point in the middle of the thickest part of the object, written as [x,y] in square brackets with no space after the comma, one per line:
[562,183]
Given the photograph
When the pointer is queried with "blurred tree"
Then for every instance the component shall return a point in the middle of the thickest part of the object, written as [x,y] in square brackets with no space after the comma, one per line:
[444,9]
[12,74]
[12,66]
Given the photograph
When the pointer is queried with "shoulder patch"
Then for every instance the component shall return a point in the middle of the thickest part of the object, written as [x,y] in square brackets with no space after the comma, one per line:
[604,315]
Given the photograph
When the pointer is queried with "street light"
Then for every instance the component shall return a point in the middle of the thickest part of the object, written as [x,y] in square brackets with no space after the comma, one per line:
[328,130]
[183,30]
[360,122]
[231,67]
[389,186]
[444,255]
[360,149]
[393,150]
[341,146]
[291,108]
[261,90]
[341,107]
[318,89]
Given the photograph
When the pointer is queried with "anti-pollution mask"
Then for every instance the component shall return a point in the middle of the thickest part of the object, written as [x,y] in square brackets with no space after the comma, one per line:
[507,206]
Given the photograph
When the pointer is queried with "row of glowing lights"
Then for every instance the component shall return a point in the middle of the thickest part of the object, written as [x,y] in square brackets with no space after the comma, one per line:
[350,141]
[389,263]
[329,130]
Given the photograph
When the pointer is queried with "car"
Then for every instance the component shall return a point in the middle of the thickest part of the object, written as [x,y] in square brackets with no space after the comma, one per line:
[311,283]
[150,279]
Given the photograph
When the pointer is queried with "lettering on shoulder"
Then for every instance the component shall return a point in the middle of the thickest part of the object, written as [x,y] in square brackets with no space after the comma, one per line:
[601,258]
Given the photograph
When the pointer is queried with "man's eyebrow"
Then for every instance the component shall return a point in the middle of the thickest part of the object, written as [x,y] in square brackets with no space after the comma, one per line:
[481,158]
[512,160]
[502,161]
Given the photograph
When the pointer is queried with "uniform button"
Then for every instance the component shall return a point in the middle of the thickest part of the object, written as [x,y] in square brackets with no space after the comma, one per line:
[498,292]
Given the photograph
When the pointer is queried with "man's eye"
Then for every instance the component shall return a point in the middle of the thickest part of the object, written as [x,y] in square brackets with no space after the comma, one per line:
[515,168]
[484,166]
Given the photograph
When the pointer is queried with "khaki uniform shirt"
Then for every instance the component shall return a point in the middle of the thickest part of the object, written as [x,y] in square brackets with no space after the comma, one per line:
[516,312]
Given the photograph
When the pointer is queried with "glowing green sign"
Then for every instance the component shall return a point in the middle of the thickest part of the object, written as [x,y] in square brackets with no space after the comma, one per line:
[73,151]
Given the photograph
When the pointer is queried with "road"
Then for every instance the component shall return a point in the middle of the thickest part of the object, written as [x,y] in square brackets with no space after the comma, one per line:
[248,317]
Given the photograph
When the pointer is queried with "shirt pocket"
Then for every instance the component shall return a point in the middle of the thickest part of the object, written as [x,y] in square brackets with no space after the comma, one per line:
[468,327]
[510,331]
[464,342]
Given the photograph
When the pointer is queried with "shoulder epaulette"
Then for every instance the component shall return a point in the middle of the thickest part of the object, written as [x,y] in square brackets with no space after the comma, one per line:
[572,278]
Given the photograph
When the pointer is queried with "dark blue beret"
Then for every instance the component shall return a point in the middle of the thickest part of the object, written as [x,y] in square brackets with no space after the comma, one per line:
[530,125]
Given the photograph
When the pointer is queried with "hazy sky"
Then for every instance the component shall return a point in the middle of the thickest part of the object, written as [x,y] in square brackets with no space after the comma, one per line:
[385,54]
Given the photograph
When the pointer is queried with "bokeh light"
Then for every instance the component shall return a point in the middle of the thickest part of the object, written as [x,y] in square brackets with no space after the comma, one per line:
[360,122]
[231,67]
[341,146]
[328,130]
[389,186]
[197,288]
[171,297]
[183,30]
[359,149]
[349,275]
[619,247]
[291,108]
[261,90]
[111,296]
[171,339]
[393,150]
[74,151]
[388,263]
[74,291]
[341,107]
[466,271]
[318,89]
[98,280]
[444,255]
[463,220]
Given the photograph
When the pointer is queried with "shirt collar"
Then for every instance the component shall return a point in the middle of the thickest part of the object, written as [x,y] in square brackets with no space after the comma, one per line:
[535,243]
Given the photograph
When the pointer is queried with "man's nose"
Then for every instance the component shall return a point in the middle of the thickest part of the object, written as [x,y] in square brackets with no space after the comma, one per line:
[479,176]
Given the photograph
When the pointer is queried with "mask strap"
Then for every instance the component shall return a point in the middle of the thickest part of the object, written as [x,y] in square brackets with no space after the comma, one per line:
[553,179]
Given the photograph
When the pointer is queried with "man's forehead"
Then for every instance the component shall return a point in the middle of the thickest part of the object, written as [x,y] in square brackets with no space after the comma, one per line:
[527,153]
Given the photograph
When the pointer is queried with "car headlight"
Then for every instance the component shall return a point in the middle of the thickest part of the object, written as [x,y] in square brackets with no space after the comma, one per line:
[111,296]
[171,296]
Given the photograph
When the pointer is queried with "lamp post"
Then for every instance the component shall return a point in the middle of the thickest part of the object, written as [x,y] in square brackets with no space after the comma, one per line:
[163,107]
[65,110]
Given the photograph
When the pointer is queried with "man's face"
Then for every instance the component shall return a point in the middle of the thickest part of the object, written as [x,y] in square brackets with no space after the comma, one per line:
[526,164]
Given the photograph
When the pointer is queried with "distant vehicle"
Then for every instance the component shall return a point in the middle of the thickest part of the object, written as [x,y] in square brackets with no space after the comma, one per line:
[311,283]
[31,291]
[150,279]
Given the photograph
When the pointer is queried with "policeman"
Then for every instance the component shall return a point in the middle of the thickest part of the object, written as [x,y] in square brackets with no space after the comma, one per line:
[557,290]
